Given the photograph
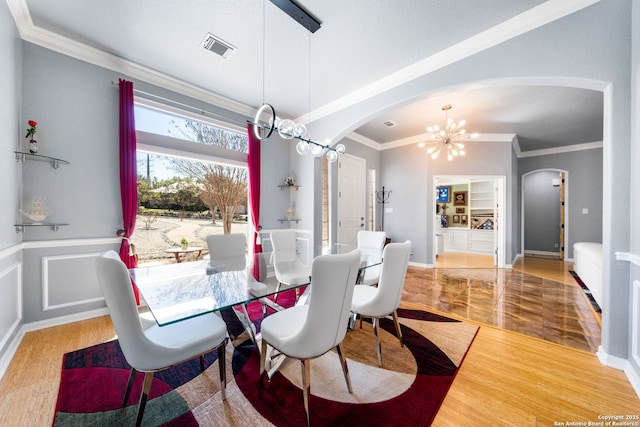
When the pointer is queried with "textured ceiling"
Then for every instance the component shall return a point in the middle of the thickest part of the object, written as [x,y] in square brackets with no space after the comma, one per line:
[361,42]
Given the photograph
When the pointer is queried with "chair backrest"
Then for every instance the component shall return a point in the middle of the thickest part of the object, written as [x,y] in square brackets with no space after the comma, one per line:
[115,281]
[227,251]
[333,278]
[284,245]
[395,259]
[371,243]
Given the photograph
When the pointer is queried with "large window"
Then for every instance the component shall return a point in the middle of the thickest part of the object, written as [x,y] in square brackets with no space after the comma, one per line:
[192,182]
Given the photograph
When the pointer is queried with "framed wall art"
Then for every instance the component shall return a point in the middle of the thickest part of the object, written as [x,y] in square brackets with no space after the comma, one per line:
[443,194]
[460,198]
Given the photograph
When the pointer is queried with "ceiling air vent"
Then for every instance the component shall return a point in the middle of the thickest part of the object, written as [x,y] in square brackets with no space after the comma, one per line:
[389,123]
[217,46]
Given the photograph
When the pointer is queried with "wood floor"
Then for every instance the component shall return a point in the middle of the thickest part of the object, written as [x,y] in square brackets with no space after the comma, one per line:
[507,378]
[538,297]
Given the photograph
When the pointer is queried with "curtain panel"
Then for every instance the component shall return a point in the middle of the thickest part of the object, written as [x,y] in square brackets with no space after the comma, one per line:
[128,176]
[253,162]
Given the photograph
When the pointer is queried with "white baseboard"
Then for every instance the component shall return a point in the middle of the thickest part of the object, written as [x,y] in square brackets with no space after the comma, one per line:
[5,360]
[634,377]
[609,360]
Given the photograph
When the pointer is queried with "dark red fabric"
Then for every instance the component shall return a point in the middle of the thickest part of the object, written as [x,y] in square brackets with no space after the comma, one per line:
[254,189]
[128,175]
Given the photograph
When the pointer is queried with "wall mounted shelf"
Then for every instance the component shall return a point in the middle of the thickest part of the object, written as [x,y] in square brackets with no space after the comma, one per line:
[283,186]
[23,227]
[24,156]
[290,220]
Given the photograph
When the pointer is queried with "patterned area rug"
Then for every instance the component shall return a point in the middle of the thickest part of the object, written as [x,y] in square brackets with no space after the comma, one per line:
[407,391]
[586,291]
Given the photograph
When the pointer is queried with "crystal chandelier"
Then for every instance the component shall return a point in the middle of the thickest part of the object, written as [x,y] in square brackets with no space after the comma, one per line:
[448,137]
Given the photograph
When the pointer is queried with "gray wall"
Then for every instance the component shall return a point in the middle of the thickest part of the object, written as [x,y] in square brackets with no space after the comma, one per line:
[11,134]
[584,190]
[541,201]
[633,292]
[408,171]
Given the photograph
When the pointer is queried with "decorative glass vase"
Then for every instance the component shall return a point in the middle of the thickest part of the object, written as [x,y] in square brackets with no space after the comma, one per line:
[33,146]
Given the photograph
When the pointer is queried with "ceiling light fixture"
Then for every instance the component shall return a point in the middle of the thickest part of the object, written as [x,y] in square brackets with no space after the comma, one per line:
[266,121]
[447,137]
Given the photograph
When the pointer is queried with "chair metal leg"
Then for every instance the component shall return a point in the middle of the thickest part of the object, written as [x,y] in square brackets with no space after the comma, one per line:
[222,365]
[246,322]
[146,387]
[132,377]
[378,345]
[263,359]
[398,332]
[345,368]
[275,296]
[306,386]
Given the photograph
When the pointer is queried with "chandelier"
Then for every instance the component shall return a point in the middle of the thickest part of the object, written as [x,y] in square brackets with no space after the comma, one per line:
[266,122]
[448,137]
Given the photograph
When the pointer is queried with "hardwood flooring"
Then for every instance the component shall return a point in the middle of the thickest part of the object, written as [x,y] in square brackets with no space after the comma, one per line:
[507,378]
[538,297]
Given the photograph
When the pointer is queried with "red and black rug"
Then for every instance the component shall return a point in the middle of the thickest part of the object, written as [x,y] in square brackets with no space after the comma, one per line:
[407,391]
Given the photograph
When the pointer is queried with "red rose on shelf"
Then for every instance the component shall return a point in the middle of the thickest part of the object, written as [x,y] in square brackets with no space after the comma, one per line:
[32,130]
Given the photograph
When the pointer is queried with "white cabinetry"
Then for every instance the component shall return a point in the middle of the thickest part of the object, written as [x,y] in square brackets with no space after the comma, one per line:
[456,240]
[482,205]
[481,241]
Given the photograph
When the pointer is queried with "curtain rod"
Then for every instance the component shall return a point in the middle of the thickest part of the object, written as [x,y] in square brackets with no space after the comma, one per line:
[196,109]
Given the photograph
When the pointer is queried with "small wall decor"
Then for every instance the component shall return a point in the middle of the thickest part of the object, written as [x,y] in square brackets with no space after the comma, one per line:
[459,210]
[463,219]
[460,198]
[289,181]
[444,221]
[382,197]
[36,210]
[31,132]
[456,219]
[290,214]
[443,194]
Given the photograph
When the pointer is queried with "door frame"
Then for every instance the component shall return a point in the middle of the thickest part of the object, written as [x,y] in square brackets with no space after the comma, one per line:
[501,235]
[339,190]
[564,187]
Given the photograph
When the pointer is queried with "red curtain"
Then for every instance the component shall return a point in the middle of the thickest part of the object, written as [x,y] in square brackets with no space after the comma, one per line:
[254,193]
[128,175]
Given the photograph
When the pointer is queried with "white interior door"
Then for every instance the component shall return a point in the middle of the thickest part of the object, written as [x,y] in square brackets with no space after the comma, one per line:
[351,198]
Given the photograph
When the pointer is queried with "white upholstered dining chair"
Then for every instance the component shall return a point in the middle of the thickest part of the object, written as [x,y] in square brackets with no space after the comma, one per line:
[383,300]
[308,331]
[288,268]
[227,251]
[155,348]
[371,244]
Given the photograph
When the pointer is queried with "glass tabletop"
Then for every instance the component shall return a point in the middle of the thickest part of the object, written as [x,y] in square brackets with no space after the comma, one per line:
[179,291]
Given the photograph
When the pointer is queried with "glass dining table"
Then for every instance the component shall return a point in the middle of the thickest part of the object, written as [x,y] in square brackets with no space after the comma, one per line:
[175,292]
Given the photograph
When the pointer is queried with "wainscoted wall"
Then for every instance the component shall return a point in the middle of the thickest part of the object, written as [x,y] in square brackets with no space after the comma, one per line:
[59,277]
[11,301]
[48,283]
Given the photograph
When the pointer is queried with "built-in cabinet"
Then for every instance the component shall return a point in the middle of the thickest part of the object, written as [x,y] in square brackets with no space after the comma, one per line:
[473,228]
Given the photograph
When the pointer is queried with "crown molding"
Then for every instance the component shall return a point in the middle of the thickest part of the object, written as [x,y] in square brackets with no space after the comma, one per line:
[83,52]
[559,150]
[529,20]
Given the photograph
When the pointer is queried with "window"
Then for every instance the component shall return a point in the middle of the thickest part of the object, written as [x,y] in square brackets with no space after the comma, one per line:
[192,182]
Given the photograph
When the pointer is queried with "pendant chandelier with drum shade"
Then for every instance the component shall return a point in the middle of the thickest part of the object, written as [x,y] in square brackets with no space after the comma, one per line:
[448,137]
